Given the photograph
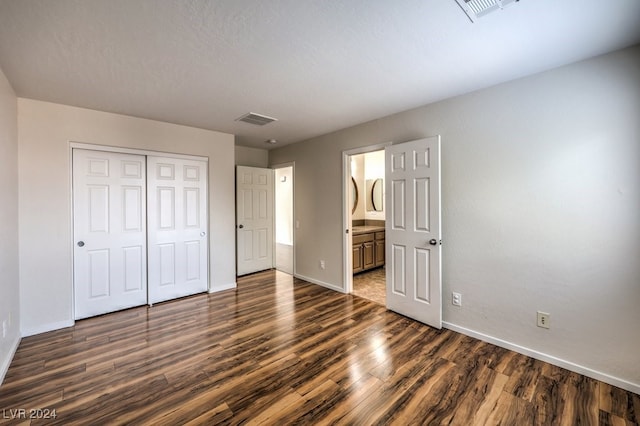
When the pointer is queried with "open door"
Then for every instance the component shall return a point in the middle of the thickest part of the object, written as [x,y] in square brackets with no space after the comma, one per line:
[254,219]
[414,281]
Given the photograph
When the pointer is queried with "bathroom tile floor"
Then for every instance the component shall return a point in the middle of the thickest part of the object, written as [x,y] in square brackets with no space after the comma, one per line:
[371,285]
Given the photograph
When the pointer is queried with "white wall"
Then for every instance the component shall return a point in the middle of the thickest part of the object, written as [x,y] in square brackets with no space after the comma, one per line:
[45,133]
[251,157]
[541,202]
[9,277]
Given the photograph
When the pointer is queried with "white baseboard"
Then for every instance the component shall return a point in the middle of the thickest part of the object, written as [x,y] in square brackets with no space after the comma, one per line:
[4,367]
[576,368]
[47,327]
[320,283]
[223,287]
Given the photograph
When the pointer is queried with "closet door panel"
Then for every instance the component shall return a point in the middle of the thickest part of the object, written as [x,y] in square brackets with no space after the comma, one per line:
[177,227]
[109,218]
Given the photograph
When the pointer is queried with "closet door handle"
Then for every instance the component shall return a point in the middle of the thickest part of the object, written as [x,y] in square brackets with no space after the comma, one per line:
[80,243]
[240,226]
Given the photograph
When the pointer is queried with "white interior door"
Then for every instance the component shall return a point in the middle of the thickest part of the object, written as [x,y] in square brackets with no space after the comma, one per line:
[413,252]
[109,227]
[177,227]
[254,219]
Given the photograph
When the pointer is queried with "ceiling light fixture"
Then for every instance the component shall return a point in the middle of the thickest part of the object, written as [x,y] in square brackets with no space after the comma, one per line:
[271,141]
[478,8]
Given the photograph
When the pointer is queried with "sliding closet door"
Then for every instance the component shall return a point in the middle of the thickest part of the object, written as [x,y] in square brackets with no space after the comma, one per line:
[177,227]
[109,217]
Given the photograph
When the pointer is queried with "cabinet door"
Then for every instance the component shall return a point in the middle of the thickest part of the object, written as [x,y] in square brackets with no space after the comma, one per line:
[379,252]
[368,258]
[357,258]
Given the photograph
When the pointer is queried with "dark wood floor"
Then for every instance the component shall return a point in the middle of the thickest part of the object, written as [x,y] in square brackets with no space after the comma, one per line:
[282,351]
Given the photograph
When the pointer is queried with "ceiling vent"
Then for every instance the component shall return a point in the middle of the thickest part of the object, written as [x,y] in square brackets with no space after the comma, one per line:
[478,8]
[257,119]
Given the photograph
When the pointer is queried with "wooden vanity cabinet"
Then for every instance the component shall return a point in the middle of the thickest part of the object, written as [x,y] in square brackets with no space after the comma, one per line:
[368,255]
[357,258]
[379,249]
[368,251]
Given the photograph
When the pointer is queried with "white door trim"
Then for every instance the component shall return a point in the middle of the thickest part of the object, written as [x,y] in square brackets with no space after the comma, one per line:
[123,150]
[347,242]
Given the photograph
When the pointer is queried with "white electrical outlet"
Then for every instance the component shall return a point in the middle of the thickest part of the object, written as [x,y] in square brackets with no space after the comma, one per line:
[456,299]
[544,319]
[322,264]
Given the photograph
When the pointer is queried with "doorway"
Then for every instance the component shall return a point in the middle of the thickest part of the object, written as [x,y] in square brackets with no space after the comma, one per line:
[412,233]
[254,219]
[284,219]
[264,218]
[364,220]
[368,226]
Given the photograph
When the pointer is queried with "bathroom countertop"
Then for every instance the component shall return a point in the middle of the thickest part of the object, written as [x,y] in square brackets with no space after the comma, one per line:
[364,229]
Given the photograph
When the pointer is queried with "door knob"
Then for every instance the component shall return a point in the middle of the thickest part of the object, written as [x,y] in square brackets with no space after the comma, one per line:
[202,234]
[80,243]
[433,241]
[240,226]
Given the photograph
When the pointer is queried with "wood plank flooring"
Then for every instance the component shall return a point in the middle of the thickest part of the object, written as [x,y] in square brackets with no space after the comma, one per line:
[282,351]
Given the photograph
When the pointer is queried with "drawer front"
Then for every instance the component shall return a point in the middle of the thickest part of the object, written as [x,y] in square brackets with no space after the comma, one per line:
[380,235]
[362,238]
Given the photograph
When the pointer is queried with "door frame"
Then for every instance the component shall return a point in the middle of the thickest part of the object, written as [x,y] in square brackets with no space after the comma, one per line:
[123,150]
[291,164]
[347,241]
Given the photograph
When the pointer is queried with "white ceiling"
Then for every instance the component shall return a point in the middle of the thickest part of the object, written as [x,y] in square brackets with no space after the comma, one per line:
[316,65]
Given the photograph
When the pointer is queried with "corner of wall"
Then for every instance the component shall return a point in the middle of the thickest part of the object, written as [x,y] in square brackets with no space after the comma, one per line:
[6,362]
[9,242]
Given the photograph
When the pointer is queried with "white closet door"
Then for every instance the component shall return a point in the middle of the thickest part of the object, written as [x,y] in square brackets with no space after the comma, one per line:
[177,227]
[109,232]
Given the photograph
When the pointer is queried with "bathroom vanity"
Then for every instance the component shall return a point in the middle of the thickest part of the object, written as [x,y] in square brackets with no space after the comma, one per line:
[368,247]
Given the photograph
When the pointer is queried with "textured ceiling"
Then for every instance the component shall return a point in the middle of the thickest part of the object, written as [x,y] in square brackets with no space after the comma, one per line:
[316,65]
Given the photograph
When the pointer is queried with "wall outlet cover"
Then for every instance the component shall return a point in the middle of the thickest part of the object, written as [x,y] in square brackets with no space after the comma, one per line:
[456,299]
[544,320]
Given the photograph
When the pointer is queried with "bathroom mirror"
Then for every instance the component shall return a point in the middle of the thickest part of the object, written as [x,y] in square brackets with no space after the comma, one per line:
[375,196]
[354,195]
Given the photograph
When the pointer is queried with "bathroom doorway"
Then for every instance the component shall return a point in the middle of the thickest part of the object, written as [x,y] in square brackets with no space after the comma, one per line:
[365,251]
